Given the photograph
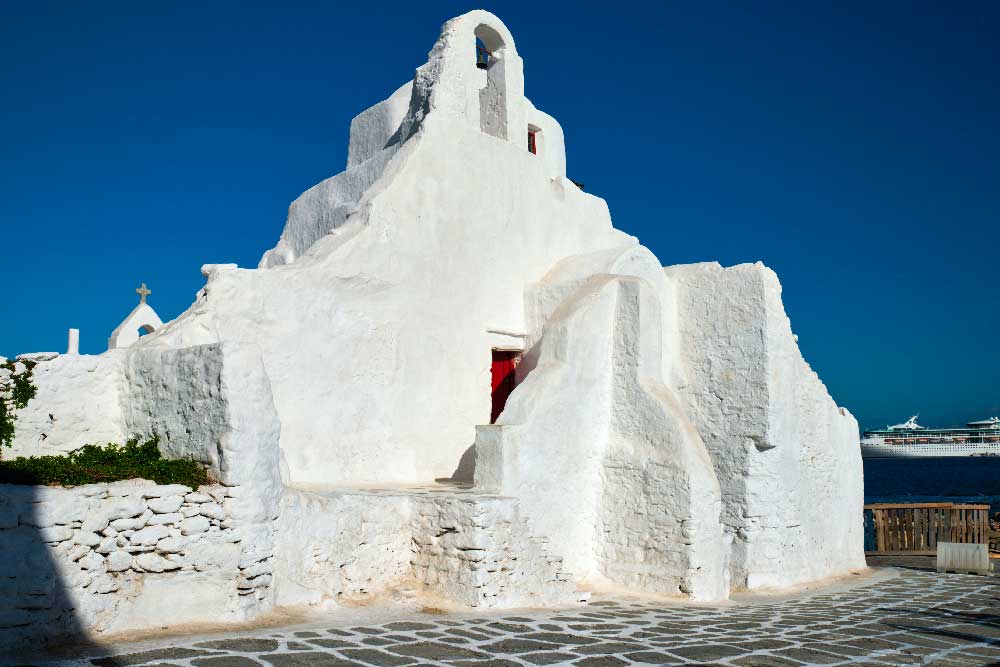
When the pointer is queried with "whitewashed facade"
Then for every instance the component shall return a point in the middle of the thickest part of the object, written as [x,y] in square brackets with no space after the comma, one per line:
[665,434]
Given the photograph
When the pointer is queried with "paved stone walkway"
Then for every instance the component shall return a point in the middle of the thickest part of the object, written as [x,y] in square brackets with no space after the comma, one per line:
[915,618]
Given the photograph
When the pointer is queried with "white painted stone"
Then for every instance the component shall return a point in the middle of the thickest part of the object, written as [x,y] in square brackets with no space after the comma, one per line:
[165,504]
[212,511]
[124,525]
[194,525]
[87,538]
[104,584]
[110,511]
[37,356]
[197,498]
[77,552]
[91,561]
[151,562]
[164,519]
[163,490]
[107,545]
[149,535]
[119,561]
[171,545]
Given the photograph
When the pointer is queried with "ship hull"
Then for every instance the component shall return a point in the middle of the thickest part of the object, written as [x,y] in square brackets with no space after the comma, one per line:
[928,450]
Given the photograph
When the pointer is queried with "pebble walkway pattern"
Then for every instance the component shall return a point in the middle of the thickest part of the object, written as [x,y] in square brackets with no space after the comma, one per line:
[916,618]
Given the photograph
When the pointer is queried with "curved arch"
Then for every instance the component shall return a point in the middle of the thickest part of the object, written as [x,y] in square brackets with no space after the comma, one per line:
[490,37]
[143,319]
[493,96]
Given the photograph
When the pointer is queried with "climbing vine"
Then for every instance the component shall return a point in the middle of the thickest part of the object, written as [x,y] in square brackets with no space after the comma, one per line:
[16,389]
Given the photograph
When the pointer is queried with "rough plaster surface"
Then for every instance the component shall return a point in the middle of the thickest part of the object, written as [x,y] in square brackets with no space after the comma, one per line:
[637,501]
[79,402]
[666,435]
[787,457]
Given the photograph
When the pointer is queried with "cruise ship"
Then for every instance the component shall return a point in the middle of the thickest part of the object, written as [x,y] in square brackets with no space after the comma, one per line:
[910,439]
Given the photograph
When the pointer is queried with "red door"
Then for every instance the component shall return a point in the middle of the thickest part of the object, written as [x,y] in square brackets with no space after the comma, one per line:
[504,380]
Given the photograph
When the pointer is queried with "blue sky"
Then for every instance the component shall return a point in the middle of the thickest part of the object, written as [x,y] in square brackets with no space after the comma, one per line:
[852,147]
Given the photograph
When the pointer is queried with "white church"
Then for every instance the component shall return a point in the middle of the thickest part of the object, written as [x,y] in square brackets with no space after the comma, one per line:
[387,403]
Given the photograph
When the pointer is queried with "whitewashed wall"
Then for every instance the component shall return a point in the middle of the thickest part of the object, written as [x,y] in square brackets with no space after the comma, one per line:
[787,457]
[105,558]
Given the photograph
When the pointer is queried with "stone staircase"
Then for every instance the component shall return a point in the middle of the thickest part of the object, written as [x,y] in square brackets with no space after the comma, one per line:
[479,550]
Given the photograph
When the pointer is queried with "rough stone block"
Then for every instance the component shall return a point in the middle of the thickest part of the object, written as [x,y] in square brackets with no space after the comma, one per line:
[212,510]
[165,504]
[55,533]
[170,545]
[86,537]
[124,525]
[149,536]
[194,525]
[151,562]
[160,491]
[118,561]
[163,519]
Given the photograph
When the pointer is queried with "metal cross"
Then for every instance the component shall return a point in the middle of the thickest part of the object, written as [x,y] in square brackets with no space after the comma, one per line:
[143,293]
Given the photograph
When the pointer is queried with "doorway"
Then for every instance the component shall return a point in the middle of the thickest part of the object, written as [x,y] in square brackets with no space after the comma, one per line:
[504,379]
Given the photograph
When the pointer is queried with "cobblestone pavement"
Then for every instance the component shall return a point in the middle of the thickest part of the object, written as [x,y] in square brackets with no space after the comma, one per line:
[915,618]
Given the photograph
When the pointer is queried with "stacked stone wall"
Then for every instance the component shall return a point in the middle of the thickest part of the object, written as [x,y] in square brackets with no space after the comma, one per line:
[111,557]
[480,551]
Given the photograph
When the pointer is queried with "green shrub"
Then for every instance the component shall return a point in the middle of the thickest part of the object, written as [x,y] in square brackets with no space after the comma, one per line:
[15,392]
[92,465]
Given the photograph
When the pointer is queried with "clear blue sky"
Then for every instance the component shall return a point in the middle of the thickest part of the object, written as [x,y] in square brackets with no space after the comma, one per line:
[853,147]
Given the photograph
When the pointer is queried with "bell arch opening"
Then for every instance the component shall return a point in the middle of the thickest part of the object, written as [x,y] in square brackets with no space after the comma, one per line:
[492,96]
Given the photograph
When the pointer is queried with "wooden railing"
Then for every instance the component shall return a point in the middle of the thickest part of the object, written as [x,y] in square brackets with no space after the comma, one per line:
[916,528]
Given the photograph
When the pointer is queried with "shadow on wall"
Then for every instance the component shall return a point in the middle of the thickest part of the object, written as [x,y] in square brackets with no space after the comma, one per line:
[465,472]
[38,614]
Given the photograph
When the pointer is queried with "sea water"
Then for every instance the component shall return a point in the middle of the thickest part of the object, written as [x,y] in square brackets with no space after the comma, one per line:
[955,479]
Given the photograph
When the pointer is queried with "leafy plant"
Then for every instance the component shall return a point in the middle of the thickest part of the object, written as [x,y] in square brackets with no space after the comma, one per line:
[92,464]
[15,392]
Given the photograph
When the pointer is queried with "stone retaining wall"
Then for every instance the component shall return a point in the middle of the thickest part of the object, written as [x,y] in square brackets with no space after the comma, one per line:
[103,558]
[125,555]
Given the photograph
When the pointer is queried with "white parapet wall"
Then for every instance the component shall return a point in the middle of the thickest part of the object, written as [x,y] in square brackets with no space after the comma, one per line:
[467,548]
[79,402]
